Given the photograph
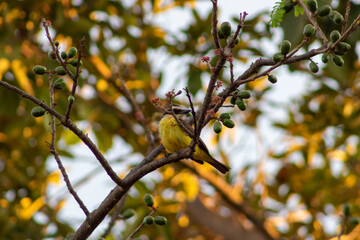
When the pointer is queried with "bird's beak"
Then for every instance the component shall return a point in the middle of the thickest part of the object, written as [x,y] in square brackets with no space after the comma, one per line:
[184,111]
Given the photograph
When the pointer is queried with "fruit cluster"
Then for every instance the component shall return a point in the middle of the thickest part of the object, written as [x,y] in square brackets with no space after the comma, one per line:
[225,31]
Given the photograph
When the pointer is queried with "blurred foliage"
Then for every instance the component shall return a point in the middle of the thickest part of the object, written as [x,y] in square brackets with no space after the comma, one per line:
[319,166]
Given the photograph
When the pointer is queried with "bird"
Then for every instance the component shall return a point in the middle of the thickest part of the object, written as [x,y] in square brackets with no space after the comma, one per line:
[174,138]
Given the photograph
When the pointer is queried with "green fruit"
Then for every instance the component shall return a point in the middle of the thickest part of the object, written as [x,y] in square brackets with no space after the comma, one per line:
[60,71]
[237,39]
[288,6]
[325,58]
[309,30]
[354,220]
[148,220]
[40,70]
[160,220]
[74,62]
[60,84]
[228,123]
[278,57]
[330,44]
[72,52]
[332,14]
[272,78]
[285,47]
[346,210]
[217,127]
[37,112]
[51,55]
[225,116]
[313,67]
[128,213]
[312,5]
[149,200]
[71,99]
[225,28]
[64,55]
[220,34]
[244,95]
[233,100]
[335,35]
[241,104]
[56,43]
[338,18]
[324,10]
[338,60]
[343,46]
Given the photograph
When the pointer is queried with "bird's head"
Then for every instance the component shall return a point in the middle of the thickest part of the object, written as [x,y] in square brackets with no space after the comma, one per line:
[179,110]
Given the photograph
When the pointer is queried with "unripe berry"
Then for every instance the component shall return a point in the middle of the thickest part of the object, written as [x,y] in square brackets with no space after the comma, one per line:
[56,43]
[244,94]
[313,67]
[37,112]
[312,5]
[354,220]
[324,10]
[217,127]
[237,39]
[309,30]
[60,84]
[272,79]
[149,200]
[325,58]
[338,19]
[241,104]
[288,6]
[72,52]
[64,55]
[225,116]
[285,47]
[338,60]
[225,28]
[71,99]
[160,220]
[278,57]
[38,69]
[346,210]
[75,62]
[148,220]
[335,35]
[60,71]
[51,55]
[128,213]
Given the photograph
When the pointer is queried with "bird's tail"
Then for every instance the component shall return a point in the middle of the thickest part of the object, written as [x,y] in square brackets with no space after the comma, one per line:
[218,165]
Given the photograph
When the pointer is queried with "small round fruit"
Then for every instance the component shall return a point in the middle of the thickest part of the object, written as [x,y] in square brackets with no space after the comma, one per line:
[244,95]
[285,47]
[325,58]
[241,104]
[324,10]
[278,57]
[228,123]
[71,99]
[60,71]
[148,220]
[38,69]
[60,84]
[343,46]
[272,79]
[37,112]
[225,28]
[233,100]
[225,116]
[72,52]
[75,62]
[335,35]
[217,127]
[313,67]
[56,43]
[312,5]
[64,55]
[149,200]
[338,19]
[128,213]
[309,30]
[288,6]
[160,220]
[332,14]
[51,55]
[338,60]
[220,34]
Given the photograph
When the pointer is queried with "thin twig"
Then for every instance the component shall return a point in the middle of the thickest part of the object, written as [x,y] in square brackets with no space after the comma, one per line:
[346,17]
[141,225]
[69,124]
[313,21]
[115,216]
[193,113]
[55,153]
[214,24]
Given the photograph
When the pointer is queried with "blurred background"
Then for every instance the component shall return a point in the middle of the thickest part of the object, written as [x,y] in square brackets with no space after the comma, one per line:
[294,153]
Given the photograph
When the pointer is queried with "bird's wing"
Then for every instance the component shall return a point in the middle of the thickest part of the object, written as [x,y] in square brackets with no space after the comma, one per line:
[201,144]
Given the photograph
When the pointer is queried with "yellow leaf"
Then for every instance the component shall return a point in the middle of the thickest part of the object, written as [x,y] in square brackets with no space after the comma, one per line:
[101,66]
[299,216]
[20,73]
[183,220]
[190,183]
[259,84]
[4,66]
[54,178]
[337,155]
[101,85]
[28,208]
[348,108]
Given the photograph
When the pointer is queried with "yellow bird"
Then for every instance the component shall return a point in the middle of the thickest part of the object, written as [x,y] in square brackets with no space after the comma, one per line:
[174,139]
